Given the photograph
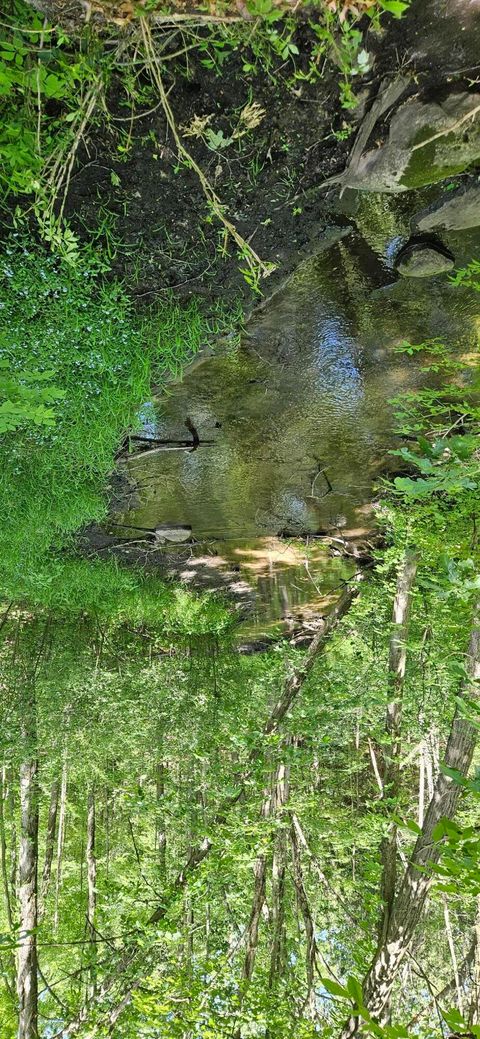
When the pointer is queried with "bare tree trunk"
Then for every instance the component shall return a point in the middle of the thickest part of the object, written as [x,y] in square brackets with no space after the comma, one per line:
[278,908]
[8,965]
[421,783]
[474,1015]
[453,955]
[311,944]
[13,863]
[259,892]
[60,837]
[27,984]
[161,835]
[91,887]
[188,925]
[274,801]
[408,906]
[397,659]
[49,843]
[3,851]
[275,798]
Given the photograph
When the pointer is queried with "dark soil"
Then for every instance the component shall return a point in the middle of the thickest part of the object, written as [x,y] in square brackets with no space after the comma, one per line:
[169,240]
[269,181]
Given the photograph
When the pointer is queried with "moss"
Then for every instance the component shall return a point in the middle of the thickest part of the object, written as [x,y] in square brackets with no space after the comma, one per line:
[423,169]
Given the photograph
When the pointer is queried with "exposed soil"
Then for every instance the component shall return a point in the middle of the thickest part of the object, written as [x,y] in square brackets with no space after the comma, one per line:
[169,239]
[269,181]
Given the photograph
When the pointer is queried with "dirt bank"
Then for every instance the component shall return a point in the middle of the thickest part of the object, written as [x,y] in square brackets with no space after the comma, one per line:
[159,224]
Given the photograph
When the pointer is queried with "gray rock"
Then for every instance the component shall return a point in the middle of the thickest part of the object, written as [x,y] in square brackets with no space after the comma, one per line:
[175,533]
[455,212]
[423,261]
[426,143]
[442,34]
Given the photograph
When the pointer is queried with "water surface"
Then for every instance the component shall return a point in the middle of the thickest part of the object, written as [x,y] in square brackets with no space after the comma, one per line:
[296,427]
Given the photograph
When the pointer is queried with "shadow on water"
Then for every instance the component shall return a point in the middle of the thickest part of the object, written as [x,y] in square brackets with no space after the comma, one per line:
[293,429]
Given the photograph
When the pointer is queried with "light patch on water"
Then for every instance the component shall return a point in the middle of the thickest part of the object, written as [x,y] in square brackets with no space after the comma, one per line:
[336,360]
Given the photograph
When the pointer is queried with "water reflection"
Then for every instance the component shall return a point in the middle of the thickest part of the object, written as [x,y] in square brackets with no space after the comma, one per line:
[294,429]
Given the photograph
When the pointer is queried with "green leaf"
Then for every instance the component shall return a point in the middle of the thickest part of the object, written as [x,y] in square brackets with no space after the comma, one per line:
[453,1018]
[334,988]
[54,87]
[438,832]
[395,7]
[413,827]
[354,989]
[415,488]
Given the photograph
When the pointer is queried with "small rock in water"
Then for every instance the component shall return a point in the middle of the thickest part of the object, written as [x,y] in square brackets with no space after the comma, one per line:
[173,532]
[420,260]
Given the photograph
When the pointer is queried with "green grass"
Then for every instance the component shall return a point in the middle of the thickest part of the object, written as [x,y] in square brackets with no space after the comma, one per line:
[75,324]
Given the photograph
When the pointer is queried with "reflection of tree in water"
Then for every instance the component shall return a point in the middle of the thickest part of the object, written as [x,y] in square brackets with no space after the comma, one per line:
[222,789]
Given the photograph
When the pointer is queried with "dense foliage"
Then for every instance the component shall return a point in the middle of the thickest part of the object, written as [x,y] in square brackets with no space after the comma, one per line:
[196,842]
[69,335]
[158,743]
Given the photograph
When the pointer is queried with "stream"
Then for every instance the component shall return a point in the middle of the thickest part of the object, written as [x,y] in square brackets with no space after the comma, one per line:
[295,428]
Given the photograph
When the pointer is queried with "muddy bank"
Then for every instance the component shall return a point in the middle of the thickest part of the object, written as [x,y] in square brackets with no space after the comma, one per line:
[277,587]
[167,237]
[270,181]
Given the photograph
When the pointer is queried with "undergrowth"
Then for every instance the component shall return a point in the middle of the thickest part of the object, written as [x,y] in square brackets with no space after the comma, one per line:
[78,327]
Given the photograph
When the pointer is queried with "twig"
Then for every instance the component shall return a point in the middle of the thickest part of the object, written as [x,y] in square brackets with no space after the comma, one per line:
[49,989]
[65,177]
[255,264]
[318,869]
[195,19]
[447,989]
[375,767]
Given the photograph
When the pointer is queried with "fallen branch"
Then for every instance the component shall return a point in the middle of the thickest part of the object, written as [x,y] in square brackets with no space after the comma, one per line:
[256,266]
